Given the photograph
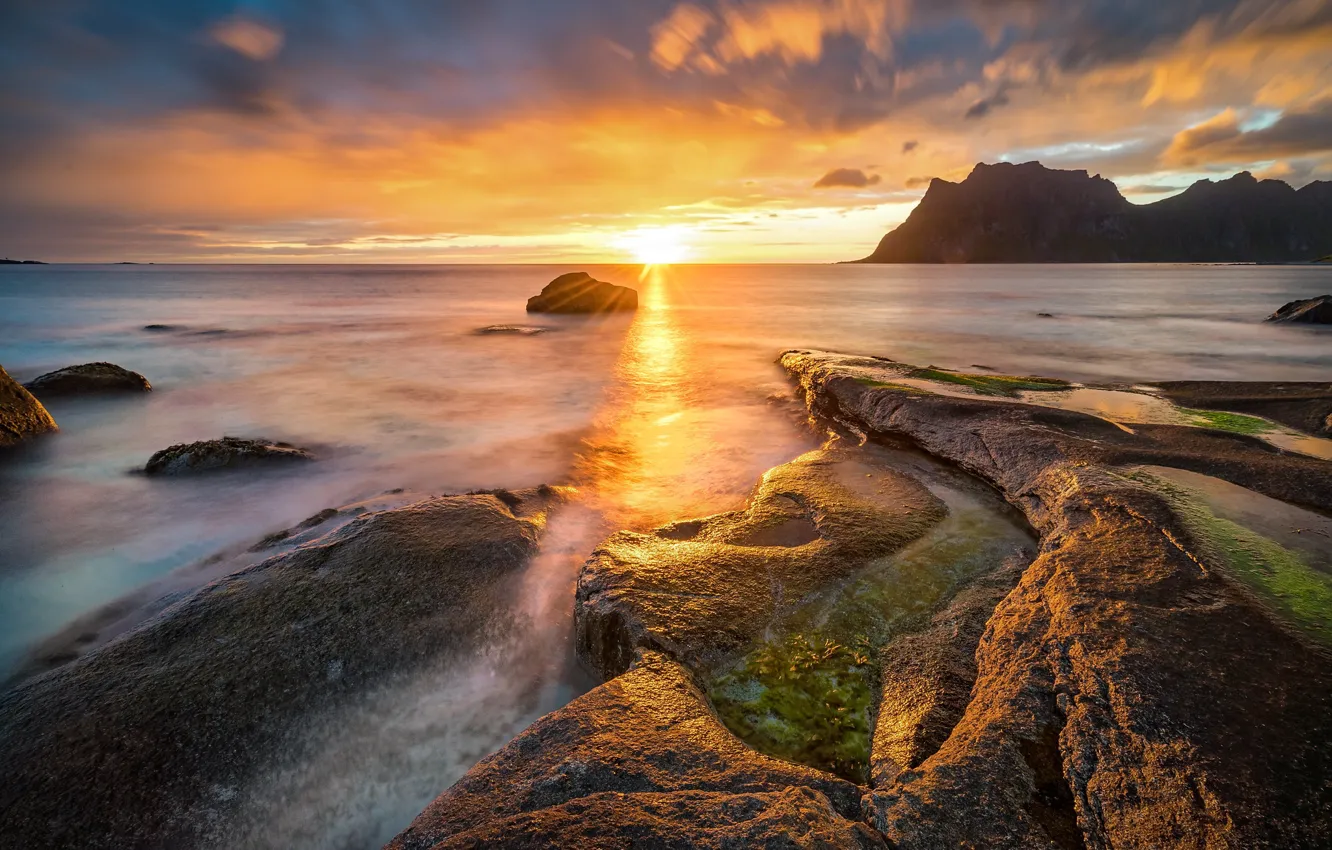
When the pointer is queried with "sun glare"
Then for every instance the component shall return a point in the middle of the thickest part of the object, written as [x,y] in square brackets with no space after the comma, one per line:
[656,245]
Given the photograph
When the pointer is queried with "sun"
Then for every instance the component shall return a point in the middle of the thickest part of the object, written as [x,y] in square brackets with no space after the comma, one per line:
[654,246]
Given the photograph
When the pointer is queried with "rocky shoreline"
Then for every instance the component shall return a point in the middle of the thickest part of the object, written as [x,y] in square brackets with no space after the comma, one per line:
[1003,620]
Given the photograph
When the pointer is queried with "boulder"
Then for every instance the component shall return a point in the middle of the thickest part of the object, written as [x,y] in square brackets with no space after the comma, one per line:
[1136,688]
[579,292]
[151,739]
[21,415]
[1310,311]
[88,379]
[226,453]
[640,761]
[700,590]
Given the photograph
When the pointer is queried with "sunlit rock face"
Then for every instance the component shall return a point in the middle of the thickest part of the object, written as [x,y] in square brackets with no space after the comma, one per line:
[21,415]
[1157,677]
[222,454]
[1310,311]
[89,379]
[149,740]
[579,292]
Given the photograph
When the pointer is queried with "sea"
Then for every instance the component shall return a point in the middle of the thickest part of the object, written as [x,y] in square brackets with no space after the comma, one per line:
[671,412]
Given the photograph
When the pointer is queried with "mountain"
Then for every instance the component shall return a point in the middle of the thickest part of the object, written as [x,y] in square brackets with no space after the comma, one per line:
[1028,213]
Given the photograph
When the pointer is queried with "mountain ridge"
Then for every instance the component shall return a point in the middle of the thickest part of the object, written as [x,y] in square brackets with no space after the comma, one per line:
[1028,213]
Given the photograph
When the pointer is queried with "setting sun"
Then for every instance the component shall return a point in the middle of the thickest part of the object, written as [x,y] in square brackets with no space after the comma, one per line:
[656,245]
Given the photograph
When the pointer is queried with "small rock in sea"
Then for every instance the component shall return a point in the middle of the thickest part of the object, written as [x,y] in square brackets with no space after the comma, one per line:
[226,453]
[88,379]
[511,330]
[1310,311]
[21,415]
[579,292]
[1045,315]
[162,328]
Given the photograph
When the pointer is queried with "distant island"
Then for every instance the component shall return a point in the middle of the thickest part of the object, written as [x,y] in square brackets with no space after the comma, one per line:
[8,262]
[1006,213]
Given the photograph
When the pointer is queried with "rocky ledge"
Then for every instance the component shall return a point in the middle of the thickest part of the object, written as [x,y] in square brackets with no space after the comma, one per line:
[1159,674]
[1310,311]
[147,741]
[226,453]
[21,415]
[88,379]
[579,292]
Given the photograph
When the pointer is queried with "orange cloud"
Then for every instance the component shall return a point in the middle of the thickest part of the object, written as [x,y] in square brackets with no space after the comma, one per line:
[250,38]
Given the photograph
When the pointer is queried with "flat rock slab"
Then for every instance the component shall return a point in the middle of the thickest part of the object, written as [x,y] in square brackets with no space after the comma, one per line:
[147,741]
[702,589]
[1310,311]
[512,330]
[640,761]
[226,453]
[21,415]
[579,292]
[88,379]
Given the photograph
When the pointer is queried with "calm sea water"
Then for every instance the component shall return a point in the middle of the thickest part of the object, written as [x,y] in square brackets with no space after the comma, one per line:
[672,412]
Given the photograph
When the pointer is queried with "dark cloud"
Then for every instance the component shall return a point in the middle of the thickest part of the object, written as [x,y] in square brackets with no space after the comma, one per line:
[908,147]
[1223,139]
[986,105]
[918,182]
[851,178]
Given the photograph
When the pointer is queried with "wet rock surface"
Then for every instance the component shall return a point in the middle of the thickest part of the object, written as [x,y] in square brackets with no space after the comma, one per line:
[226,453]
[1309,311]
[699,590]
[579,292]
[88,379]
[1131,690]
[146,741]
[1305,406]
[21,415]
[512,330]
[641,760]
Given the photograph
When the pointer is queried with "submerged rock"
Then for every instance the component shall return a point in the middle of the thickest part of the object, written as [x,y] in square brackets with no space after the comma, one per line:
[1311,311]
[148,741]
[699,590]
[226,453]
[89,379]
[21,415]
[579,292]
[640,761]
[1131,690]
[162,328]
[511,330]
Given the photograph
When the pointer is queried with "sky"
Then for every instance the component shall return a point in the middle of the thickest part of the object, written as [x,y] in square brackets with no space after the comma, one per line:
[614,130]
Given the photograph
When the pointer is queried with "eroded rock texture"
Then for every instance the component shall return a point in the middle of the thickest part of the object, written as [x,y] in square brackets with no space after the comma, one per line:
[146,741]
[21,415]
[225,453]
[701,589]
[88,379]
[1128,692]
[640,761]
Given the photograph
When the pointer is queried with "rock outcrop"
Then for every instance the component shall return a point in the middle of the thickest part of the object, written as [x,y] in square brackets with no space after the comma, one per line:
[1132,690]
[699,590]
[579,292]
[147,741]
[1310,311]
[1305,406]
[226,453]
[88,379]
[21,415]
[641,761]
[1006,213]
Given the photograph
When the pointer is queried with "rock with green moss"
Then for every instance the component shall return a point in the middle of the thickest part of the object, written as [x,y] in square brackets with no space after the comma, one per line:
[21,415]
[703,589]
[223,454]
[147,741]
[88,379]
[1002,385]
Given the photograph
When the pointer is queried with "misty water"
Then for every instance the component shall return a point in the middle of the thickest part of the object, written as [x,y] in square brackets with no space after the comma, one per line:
[671,412]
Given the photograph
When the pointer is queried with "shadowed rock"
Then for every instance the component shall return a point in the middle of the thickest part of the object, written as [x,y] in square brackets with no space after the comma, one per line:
[88,379]
[147,741]
[21,415]
[1130,691]
[640,761]
[1310,311]
[226,453]
[511,330]
[579,292]
[699,590]
[1306,406]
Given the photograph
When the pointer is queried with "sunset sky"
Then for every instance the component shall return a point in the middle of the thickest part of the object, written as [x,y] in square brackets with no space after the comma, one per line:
[610,130]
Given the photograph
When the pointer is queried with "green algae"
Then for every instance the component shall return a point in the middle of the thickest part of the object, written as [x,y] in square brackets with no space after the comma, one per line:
[903,388]
[807,694]
[1005,385]
[1220,420]
[1282,577]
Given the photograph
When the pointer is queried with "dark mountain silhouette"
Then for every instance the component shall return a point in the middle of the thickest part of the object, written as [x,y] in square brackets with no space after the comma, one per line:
[1028,213]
